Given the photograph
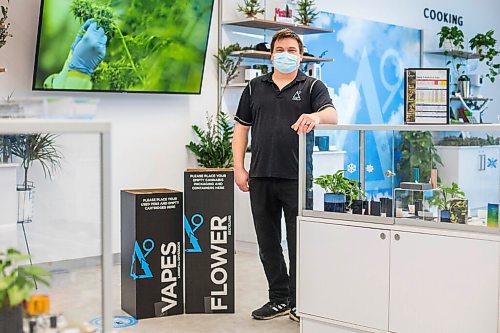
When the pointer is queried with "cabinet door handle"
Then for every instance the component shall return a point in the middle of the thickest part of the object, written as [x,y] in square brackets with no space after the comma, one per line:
[382,235]
[397,237]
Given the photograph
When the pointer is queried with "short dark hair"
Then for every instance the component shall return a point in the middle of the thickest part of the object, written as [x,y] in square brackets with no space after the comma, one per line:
[287,33]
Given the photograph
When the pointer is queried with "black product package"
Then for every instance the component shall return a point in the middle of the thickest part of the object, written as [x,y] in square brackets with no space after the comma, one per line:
[151,253]
[209,240]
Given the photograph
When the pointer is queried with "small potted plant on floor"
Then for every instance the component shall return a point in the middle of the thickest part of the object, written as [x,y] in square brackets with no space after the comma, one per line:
[450,198]
[484,45]
[251,8]
[306,12]
[16,284]
[340,191]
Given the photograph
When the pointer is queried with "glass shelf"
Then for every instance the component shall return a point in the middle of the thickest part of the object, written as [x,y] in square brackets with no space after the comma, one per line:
[456,53]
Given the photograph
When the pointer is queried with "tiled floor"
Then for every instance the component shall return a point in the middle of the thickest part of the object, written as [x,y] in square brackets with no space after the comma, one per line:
[75,294]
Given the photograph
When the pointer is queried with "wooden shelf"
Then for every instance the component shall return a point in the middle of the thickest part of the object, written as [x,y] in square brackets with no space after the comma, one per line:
[273,25]
[3,69]
[458,54]
[267,55]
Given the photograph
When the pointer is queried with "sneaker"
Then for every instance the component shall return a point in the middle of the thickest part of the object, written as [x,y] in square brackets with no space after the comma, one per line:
[271,310]
[293,314]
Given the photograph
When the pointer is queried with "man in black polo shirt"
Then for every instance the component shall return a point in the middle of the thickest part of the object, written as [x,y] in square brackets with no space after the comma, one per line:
[277,107]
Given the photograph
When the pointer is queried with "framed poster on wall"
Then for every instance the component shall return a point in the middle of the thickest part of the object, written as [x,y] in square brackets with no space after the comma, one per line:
[427,95]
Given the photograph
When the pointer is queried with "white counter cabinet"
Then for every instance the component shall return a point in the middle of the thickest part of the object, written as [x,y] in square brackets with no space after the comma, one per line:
[359,277]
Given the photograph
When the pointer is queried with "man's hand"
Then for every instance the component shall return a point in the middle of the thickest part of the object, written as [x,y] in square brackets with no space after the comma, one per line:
[241,179]
[89,51]
[306,123]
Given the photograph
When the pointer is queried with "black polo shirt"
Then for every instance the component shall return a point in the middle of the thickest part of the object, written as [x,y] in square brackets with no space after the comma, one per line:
[271,112]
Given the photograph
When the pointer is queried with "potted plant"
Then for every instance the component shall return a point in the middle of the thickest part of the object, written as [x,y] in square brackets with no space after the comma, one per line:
[214,149]
[306,12]
[451,38]
[30,149]
[417,150]
[448,198]
[251,8]
[339,191]
[16,284]
[484,44]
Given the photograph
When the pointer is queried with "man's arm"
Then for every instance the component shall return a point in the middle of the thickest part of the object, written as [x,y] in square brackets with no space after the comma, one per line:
[240,142]
[307,122]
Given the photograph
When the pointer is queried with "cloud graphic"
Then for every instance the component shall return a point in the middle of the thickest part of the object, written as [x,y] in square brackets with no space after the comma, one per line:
[357,34]
[397,116]
[347,102]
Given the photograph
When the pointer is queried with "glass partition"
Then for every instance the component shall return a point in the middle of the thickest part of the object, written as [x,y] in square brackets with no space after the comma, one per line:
[445,177]
[51,190]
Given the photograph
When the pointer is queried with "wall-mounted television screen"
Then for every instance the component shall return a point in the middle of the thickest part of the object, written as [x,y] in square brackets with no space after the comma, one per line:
[156,46]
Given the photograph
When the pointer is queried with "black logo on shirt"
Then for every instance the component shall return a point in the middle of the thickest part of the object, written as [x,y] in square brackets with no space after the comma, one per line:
[296,96]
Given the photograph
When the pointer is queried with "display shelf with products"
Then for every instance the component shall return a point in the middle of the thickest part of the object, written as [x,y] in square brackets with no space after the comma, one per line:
[274,25]
[402,251]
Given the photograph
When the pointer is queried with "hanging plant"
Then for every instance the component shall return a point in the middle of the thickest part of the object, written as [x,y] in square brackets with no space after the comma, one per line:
[306,12]
[485,46]
[251,8]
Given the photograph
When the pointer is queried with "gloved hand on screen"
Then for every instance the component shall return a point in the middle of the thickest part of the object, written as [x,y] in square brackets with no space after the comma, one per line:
[89,51]
[81,32]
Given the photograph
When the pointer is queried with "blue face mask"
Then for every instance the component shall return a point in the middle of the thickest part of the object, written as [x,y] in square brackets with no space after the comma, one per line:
[285,62]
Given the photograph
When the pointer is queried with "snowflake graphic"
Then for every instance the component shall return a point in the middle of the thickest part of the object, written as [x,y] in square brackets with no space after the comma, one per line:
[369,168]
[351,168]
[492,163]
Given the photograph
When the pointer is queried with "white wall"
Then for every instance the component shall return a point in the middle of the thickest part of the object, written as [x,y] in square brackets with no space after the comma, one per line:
[149,131]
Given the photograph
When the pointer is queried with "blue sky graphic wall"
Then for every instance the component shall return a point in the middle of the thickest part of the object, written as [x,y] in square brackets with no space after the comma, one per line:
[366,84]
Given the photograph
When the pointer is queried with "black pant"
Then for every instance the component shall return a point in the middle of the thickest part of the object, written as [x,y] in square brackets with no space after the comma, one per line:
[268,197]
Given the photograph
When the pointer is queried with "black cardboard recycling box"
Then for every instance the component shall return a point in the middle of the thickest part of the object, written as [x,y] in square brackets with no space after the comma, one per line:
[209,240]
[151,252]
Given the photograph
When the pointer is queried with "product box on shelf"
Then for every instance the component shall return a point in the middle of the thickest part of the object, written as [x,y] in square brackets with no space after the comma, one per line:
[151,252]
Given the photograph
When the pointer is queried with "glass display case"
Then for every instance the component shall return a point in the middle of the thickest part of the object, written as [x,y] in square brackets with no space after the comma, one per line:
[425,175]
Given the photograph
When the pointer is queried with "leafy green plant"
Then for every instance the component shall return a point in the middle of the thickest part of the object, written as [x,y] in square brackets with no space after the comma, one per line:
[446,194]
[17,282]
[306,12]
[456,37]
[338,184]
[102,14]
[214,149]
[251,8]
[37,147]
[228,64]
[485,46]
[417,151]
[4,25]
[453,34]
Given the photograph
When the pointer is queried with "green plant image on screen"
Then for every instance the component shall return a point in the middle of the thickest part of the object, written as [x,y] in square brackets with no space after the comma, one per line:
[122,45]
